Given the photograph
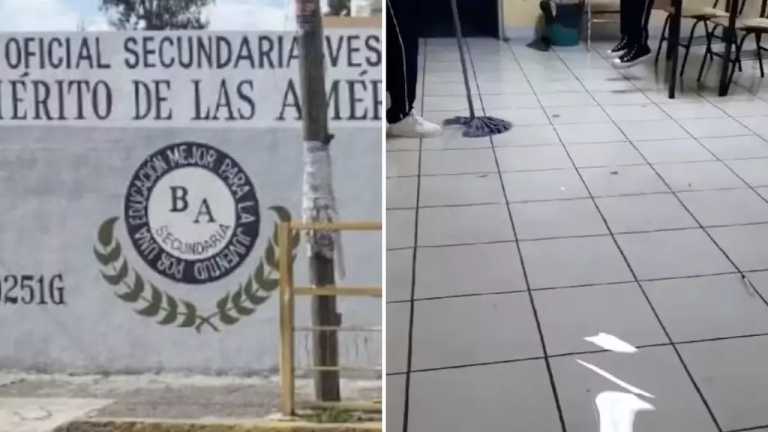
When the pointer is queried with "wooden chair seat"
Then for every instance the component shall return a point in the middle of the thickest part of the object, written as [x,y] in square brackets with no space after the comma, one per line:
[745,24]
[605,6]
[700,12]
[754,24]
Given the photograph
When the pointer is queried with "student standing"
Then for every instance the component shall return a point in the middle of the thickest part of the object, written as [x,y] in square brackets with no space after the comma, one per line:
[402,71]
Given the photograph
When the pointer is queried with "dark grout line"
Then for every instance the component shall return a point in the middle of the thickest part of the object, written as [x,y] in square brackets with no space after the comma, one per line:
[753,428]
[609,121]
[667,278]
[577,198]
[409,359]
[469,365]
[672,343]
[399,248]
[438,206]
[537,319]
[640,285]
[579,353]
[586,285]
[722,338]
[458,296]
[727,166]
[733,171]
[529,146]
[589,167]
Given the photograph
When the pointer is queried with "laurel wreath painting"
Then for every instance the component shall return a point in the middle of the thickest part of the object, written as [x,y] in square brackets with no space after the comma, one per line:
[156,303]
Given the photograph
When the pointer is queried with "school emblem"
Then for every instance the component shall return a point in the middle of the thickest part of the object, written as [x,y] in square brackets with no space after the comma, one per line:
[191,213]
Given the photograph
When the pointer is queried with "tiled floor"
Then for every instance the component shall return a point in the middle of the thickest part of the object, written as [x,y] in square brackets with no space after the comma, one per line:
[608,208]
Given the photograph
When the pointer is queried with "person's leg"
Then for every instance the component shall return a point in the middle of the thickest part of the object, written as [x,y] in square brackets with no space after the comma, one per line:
[396,72]
[625,7]
[402,70]
[648,8]
[633,20]
[638,17]
[625,23]
[402,58]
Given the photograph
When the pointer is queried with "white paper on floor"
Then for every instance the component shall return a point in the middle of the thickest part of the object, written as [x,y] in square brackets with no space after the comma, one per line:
[611,342]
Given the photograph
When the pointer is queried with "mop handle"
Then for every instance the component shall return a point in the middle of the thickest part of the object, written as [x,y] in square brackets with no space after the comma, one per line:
[459,41]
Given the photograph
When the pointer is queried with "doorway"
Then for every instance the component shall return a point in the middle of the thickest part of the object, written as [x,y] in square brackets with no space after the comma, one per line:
[479,18]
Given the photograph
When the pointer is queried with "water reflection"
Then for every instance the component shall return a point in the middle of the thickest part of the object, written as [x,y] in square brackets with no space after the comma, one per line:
[611,342]
[617,410]
[607,375]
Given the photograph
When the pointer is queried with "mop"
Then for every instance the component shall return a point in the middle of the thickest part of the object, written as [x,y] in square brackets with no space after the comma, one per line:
[474,126]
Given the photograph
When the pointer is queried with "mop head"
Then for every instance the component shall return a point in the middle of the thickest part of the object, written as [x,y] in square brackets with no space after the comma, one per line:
[477,127]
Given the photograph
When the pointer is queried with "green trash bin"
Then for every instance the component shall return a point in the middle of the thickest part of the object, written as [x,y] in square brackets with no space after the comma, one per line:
[565,30]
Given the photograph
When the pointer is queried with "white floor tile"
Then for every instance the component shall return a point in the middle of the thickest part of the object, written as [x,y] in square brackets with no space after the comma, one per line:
[645,213]
[441,340]
[667,254]
[580,261]
[485,401]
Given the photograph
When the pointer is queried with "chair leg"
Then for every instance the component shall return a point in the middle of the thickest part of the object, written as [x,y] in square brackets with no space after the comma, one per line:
[669,45]
[688,47]
[759,36]
[589,25]
[739,46]
[707,52]
[663,37]
[738,57]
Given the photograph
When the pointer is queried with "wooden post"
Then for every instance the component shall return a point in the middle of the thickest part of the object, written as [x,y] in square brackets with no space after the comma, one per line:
[286,320]
[321,263]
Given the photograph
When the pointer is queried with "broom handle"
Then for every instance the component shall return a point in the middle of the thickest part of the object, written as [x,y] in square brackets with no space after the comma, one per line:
[460,42]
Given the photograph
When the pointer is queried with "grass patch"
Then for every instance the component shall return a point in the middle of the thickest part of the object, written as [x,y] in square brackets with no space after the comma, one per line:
[332,415]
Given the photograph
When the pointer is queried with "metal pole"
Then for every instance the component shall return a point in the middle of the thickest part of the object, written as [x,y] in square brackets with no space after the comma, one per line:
[318,196]
[460,43]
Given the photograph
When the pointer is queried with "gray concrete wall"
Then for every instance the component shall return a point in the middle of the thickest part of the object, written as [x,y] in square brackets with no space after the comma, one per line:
[57,184]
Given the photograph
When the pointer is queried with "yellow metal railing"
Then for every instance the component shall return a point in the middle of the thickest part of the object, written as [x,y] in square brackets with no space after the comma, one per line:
[288,292]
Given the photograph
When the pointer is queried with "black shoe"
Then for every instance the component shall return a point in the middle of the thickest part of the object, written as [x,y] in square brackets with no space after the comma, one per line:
[620,48]
[633,57]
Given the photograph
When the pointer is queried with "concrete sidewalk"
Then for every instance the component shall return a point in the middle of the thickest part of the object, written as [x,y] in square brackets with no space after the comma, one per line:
[40,403]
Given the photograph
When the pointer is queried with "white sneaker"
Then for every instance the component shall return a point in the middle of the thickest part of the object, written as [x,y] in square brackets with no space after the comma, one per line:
[413,126]
[614,54]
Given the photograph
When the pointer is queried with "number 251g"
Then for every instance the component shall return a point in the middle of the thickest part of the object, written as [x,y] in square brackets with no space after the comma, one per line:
[31,289]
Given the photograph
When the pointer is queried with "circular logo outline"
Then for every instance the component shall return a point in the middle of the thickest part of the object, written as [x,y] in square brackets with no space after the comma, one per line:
[154,254]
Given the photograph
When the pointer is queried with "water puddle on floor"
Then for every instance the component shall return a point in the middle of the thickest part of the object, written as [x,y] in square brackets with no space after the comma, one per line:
[617,410]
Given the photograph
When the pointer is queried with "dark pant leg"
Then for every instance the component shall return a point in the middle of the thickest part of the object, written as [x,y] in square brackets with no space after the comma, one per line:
[648,8]
[624,23]
[636,15]
[402,57]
